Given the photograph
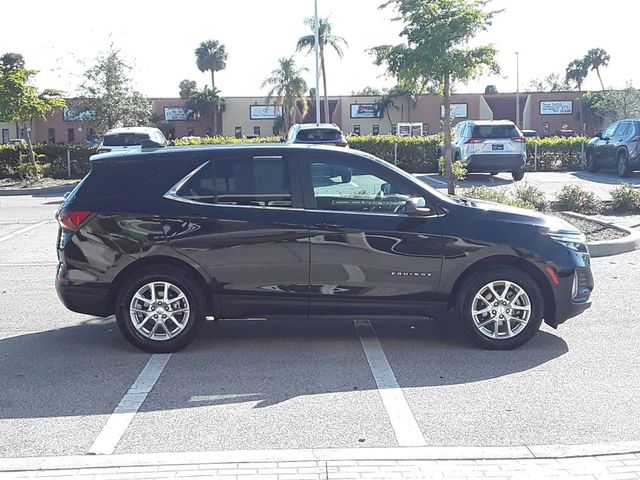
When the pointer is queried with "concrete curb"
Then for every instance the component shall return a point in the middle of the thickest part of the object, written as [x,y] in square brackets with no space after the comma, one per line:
[605,248]
[343,454]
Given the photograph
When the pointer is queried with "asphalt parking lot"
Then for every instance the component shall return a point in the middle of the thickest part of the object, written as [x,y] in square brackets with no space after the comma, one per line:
[299,384]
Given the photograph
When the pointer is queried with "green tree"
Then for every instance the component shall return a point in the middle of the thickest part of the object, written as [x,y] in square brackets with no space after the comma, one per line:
[187,87]
[211,56]
[108,97]
[287,88]
[207,102]
[367,91]
[597,58]
[21,102]
[11,60]
[325,39]
[576,73]
[551,83]
[436,51]
[614,105]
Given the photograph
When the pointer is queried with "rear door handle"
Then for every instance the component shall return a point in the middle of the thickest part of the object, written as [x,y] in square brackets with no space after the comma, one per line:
[329,226]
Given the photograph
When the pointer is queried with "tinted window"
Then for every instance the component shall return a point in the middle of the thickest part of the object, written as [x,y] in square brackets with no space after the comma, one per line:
[124,139]
[623,129]
[494,131]
[339,186]
[319,135]
[258,181]
[609,131]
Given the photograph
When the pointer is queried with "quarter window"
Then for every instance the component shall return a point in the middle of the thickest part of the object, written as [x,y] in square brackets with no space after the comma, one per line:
[341,187]
[256,181]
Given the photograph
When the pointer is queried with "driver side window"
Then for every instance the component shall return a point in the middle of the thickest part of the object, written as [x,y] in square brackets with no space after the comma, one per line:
[338,186]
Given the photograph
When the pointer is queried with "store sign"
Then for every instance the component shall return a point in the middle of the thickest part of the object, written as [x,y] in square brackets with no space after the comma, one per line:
[458,110]
[73,115]
[365,110]
[561,107]
[265,112]
[177,114]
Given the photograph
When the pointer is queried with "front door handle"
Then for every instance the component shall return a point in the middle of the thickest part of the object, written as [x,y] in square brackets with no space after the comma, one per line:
[329,226]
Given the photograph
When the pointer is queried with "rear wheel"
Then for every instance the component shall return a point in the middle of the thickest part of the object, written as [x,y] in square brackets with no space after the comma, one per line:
[518,174]
[623,165]
[159,309]
[591,164]
[500,308]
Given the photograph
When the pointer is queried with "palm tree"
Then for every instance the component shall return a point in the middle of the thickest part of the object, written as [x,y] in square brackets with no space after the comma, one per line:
[207,102]
[576,72]
[211,55]
[596,58]
[287,86]
[325,39]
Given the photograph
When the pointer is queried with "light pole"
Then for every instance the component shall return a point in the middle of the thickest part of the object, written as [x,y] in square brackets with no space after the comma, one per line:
[317,47]
[518,89]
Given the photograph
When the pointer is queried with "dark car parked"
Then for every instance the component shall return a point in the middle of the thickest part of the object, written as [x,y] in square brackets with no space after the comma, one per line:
[618,146]
[316,134]
[166,237]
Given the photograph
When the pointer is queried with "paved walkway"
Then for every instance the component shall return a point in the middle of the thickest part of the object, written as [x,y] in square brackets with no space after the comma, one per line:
[195,466]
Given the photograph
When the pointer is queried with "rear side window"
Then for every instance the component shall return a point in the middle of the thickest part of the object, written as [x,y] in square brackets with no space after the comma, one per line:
[257,181]
[124,139]
[623,129]
[494,131]
[319,135]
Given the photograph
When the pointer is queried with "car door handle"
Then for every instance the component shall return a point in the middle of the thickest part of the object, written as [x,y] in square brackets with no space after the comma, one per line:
[329,226]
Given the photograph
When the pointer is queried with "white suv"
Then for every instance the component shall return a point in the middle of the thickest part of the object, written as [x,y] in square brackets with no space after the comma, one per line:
[131,138]
[490,146]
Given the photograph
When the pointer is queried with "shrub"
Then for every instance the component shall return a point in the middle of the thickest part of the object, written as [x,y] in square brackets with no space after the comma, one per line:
[459,169]
[576,199]
[556,153]
[497,196]
[626,198]
[532,196]
[415,154]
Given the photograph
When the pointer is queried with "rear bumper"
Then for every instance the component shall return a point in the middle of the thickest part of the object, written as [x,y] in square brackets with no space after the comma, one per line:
[86,300]
[487,162]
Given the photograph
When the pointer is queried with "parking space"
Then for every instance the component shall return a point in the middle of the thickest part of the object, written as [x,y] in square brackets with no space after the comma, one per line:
[299,384]
[550,183]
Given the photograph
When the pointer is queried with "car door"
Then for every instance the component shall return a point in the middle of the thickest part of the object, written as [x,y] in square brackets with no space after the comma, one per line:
[368,257]
[620,136]
[604,148]
[240,217]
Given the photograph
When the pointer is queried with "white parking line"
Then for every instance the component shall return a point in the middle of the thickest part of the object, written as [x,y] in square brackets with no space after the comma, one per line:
[23,230]
[122,416]
[404,424]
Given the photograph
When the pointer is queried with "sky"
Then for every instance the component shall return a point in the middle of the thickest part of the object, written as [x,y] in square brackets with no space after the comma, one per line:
[159,42]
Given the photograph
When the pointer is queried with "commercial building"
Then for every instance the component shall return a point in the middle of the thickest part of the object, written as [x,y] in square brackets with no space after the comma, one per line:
[545,112]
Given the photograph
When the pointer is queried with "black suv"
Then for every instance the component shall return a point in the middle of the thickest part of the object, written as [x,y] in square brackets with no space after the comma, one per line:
[164,238]
[618,145]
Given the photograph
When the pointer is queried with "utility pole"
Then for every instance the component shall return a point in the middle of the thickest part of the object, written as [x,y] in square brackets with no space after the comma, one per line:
[518,89]
[317,42]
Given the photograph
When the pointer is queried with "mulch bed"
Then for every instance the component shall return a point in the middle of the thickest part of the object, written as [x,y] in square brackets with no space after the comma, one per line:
[594,231]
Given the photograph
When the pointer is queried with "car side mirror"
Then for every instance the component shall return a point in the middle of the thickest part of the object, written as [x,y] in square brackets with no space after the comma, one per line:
[151,144]
[417,207]
[599,134]
[345,175]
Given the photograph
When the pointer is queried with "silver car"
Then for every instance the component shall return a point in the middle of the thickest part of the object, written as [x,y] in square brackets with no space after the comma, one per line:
[490,146]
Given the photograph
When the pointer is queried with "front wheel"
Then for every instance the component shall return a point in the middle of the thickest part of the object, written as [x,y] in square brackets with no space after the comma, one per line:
[623,165]
[159,309]
[518,174]
[500,308]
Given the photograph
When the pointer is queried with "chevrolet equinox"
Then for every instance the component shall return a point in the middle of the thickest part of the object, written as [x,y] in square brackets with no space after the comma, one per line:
[167,237]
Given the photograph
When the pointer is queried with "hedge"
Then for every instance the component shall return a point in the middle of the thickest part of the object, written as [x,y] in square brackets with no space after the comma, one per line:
[414,154]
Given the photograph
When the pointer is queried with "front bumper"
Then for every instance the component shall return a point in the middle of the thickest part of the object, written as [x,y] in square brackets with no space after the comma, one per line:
[487,162]
[572,296]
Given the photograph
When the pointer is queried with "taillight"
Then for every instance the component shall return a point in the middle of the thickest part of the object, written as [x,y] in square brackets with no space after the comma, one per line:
[71,219]
[475,140]
[636,139]
[519,139]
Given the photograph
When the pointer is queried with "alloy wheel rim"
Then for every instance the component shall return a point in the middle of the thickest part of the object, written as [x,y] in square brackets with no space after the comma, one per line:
[159,311]
[501,309]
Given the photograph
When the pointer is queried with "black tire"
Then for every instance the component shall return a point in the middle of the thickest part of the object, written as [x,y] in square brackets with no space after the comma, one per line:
[591,164]
[475,284]
[183,282]
[518,174]
[623,165]
[494,173]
